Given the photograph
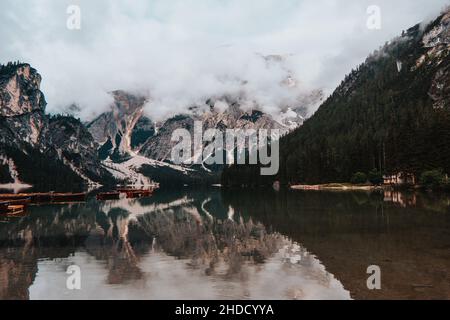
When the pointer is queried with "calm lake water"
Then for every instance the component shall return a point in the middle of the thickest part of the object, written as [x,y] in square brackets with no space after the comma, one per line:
[237,244]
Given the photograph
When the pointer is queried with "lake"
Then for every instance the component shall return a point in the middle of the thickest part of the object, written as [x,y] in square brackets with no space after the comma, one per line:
[231,244]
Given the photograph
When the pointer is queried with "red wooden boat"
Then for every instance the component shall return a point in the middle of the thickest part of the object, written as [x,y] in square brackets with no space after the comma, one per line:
[41,197]
[24,202]
[138,194]
[44,197]
[14,197]
[108,196]
[125,190]
[68,197]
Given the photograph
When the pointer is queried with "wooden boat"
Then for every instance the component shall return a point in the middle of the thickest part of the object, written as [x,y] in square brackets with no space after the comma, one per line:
[24,202]
[44,197]
[34,197]
[16,210]
[125,190]
[14,207]
[41,197]
[133,195]
[108,196]
[68,197]
[13,197]
[138,194]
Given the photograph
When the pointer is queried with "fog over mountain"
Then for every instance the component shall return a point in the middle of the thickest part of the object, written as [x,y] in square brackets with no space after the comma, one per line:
[180,53]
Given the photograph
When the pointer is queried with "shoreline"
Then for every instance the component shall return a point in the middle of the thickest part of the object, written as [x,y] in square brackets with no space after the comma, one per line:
[338,187]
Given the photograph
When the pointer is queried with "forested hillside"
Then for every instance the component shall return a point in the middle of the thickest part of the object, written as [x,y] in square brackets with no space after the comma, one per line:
[390,115]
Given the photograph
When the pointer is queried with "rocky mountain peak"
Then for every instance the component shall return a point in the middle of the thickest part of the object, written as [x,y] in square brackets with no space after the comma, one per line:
[439,33]
[436,41]
[114,130]
[42,149]
[20,90]
[127,103]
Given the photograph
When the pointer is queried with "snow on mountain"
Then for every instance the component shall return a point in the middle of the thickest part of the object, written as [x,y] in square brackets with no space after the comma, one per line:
[40,145]
[117,144]
[114,130]
[128,172]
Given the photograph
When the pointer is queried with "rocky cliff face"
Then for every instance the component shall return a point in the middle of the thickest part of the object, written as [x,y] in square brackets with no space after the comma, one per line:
[230,115]
[19,90]
[233,117]
[294,116]
[22,105]
[437,42]
[117,143]
[160,145]
[129,142]
[123,129]
[35,145]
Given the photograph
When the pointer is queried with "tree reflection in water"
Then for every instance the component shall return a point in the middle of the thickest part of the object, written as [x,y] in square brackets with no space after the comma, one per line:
[220,244]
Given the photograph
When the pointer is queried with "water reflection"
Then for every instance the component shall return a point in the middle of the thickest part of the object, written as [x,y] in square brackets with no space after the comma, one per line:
[219,244]
[175,245]
[406,234]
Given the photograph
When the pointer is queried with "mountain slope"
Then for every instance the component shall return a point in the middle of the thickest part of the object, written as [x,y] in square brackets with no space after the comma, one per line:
[126,137]
[231,115]
[36,148]
[391,114]
[123,129]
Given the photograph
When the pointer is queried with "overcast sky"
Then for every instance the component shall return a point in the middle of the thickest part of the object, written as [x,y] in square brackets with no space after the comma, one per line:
[182,51]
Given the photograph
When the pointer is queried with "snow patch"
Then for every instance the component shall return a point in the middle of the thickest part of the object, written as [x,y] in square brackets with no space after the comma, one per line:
[17,185]
[128,171]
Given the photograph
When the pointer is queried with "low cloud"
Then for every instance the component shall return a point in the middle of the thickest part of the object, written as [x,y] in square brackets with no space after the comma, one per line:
[182,52]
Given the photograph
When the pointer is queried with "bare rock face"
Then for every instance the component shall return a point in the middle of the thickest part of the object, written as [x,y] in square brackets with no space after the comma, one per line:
[294,116]
[134,150]
[440,89]
[237,116]
[439,35]
[36,145]
[159,147]
[27,128]
[114,130]
[437,42]
[19,90]
[125,131]
[22,104]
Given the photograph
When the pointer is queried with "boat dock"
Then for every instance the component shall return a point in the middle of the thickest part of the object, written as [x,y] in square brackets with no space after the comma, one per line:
[16,204]
[50,197]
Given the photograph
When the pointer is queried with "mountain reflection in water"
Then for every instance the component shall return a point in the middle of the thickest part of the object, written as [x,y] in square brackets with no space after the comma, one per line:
[237,244]
[170,246]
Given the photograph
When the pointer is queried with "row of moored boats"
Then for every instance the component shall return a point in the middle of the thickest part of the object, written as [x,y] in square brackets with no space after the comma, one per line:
[16,204]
